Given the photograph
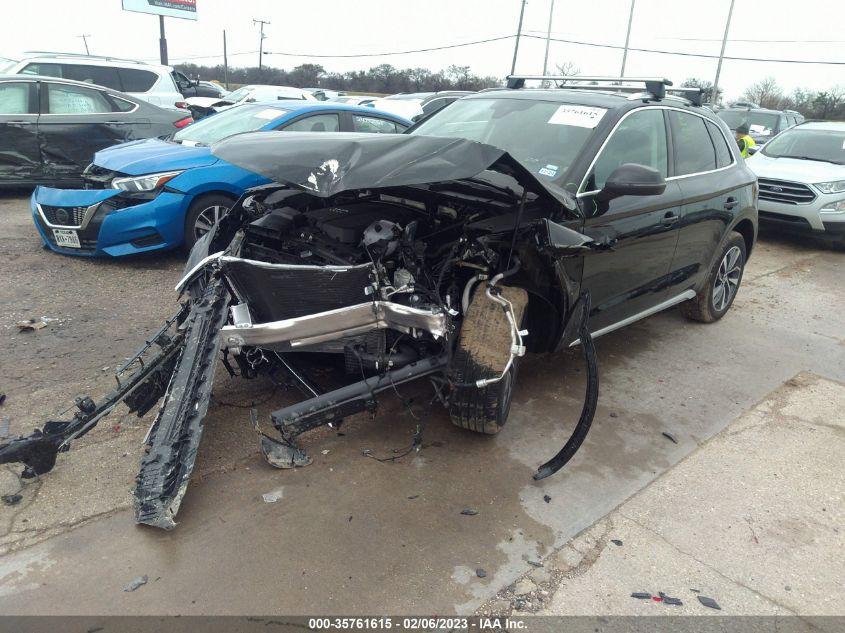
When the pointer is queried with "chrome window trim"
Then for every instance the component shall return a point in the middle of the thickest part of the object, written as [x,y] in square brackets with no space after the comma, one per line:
[89,213]
[685,295]
[581,193]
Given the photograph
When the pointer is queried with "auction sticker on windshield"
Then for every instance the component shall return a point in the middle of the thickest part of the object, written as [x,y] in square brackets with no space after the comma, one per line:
[269,113]
[579,116]
[66,237]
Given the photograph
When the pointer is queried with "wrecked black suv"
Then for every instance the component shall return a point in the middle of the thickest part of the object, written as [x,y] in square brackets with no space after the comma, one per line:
[515,220]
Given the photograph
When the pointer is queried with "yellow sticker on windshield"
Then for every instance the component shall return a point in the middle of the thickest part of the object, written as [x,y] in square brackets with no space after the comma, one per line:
[579,116]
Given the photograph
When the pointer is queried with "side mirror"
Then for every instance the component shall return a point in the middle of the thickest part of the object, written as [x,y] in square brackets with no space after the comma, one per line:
[632,179]
[753,150]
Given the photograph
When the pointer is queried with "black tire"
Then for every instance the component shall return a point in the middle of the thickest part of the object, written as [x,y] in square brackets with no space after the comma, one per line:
[485,329]
[711,304]
[199,212]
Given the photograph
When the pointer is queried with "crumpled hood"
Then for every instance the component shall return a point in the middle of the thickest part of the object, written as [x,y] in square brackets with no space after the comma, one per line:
[795,169]
[329,163]
[206,102]
[152,155]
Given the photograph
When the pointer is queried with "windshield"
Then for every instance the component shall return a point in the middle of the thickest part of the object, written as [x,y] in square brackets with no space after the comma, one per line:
[245,118]
[824,145]
[762,123]
[545,136]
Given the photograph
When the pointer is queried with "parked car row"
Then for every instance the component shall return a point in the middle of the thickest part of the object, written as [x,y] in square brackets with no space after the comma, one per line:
[163,193]
[204,106]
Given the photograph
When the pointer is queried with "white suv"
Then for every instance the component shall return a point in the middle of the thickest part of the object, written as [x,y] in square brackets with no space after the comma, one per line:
[801,174]
[150,82]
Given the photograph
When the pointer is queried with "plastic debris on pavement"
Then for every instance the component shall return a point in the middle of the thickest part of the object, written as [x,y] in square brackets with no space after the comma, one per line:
[140,581]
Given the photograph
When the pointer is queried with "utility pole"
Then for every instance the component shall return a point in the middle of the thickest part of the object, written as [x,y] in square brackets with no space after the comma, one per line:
[85,37]
[260,42]
[225,62]
[627,38]
[518,34]
[548,38]
[162,41]
[715,97]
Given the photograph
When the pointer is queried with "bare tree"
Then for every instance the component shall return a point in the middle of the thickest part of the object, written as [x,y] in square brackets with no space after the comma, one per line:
[766,93]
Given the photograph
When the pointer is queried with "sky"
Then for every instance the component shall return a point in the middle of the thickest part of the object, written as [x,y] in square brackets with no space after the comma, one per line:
[805,30]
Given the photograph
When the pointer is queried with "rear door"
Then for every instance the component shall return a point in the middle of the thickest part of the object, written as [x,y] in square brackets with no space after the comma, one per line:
[20,158]
[77,121]
[713,190]
[632,276]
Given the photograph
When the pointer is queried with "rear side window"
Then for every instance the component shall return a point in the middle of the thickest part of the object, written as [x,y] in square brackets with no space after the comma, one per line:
[437,104]
[121,105]
[640,139]
[99,75]
[48,70]
[135,80]
[64,99]
[723,153]
[14,98]
[373,124]
[316,123]
[694,151]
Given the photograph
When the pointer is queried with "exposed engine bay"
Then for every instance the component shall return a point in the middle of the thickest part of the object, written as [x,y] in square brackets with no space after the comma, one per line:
[451,282]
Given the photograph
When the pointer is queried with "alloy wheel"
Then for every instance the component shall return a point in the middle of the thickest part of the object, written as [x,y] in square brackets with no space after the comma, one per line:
[727,278]
[207,218]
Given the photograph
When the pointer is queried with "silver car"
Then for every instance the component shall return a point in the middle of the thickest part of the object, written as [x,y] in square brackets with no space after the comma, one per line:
[801,174]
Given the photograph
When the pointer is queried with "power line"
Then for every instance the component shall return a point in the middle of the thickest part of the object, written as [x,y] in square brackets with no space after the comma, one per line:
[686,54]
[408,52]
[708,39]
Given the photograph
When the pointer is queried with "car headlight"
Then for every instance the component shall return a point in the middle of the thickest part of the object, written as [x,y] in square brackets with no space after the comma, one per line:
[835,186]
[150,182]
[833,207]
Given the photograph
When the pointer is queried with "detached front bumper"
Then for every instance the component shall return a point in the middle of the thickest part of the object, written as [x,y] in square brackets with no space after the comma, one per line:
[107,222]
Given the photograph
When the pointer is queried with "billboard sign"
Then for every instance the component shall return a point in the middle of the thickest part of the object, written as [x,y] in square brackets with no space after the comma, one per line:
[186,9]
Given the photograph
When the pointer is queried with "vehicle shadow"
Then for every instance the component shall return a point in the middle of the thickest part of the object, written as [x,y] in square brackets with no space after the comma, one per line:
[778,236]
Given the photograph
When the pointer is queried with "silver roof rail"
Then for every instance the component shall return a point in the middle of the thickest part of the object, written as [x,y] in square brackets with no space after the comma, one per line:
[108,58]
[656,87]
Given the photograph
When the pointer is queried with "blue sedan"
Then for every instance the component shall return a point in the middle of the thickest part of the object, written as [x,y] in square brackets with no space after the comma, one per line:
[162,193]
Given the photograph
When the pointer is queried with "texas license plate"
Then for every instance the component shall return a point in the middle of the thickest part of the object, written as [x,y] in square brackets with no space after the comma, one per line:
[66,237]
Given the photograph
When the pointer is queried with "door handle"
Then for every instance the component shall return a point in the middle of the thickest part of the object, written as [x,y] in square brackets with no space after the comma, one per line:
[730,203]
[670,218]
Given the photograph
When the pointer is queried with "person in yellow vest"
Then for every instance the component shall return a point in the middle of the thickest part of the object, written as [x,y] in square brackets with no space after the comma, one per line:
[744,141]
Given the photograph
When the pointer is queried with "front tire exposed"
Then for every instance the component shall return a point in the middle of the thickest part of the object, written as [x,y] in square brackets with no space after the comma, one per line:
[719,291]
[482,352]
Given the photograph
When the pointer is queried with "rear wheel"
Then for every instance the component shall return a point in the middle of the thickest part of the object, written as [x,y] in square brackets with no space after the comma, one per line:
[719,291]
[482,352]
[203,214]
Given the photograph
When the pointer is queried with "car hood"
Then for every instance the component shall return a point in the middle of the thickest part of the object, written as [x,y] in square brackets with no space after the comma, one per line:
[329,163]
[206,102]
[795,169]
[152,155]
